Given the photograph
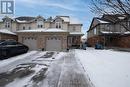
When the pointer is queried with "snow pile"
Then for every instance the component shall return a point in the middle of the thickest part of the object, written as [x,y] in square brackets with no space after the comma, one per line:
[106,68]
[84,38]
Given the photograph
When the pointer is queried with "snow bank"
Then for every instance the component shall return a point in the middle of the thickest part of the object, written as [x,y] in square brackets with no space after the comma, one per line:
[106,68]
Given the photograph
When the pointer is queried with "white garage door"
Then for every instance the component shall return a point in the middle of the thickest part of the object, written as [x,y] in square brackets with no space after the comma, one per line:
[53,44]
[31,43]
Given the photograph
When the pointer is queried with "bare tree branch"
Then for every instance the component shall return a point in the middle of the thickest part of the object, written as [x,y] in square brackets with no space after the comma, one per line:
[112,7]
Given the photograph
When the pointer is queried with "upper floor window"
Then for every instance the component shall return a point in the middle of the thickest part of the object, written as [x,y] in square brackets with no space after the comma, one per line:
[40,23]
[58,24]
[7,25]
[23,27]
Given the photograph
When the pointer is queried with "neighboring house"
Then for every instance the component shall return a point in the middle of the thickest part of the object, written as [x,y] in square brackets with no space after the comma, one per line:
[6,34]
[59,33]
[7,29]
[110,31]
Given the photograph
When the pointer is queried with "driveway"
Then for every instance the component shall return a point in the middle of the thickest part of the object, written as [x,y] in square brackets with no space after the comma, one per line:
[44,69]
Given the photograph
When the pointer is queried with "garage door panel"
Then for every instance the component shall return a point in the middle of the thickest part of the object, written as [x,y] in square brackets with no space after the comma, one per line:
[31,43]
[53,44]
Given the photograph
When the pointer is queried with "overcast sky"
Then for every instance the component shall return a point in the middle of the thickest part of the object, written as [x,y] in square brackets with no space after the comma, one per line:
[77,9]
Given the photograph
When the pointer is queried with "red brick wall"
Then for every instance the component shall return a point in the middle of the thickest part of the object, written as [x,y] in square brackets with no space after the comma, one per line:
[93,40]
[124,42]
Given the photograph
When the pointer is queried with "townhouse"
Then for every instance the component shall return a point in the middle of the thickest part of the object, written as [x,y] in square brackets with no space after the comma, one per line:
[51,34]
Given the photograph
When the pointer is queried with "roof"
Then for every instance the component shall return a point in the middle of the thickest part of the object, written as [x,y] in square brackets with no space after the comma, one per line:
[28,19]
[114,17]
[5,31]
[71,20]
[102,21]
[24,19]
[43,30]
[74,21]
[65,18]
[119,33]
[96,21]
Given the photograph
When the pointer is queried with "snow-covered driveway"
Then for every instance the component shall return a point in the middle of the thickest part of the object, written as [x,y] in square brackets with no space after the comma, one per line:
[103,68]
[106,68]
[26,70]
[43,69]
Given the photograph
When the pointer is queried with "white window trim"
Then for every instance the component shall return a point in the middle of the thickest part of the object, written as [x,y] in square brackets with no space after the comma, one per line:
[58,25]
[40,24]
[7,25]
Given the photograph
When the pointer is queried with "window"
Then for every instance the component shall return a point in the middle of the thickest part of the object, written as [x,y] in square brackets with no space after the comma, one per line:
[58,24]
[40,23]
[23,27]
[29,28]
[7,25]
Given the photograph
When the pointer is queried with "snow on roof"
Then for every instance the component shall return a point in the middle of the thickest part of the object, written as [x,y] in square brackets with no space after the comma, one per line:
[102,21]
[109,32]
[55,30]
[43,30]
[65,18]
[71,20]
[5,31]
[76,33]
[128,32]
[32,30]
[23,21]
[74,21]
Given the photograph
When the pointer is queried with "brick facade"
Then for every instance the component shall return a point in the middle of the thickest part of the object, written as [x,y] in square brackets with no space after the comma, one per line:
[8,36]
[123,42]
[93,40]
[41,38]
[110,41]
